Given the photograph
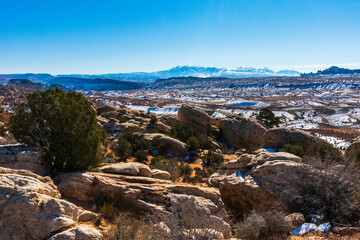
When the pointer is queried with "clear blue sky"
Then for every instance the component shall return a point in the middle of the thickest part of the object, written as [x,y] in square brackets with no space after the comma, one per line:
[103,36]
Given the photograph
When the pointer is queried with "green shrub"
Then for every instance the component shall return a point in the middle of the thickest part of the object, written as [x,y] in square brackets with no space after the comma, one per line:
[268,117]
[323,150]
[319,150]
[185,170]
[152,122]
[212,159]
[206,143]
[169,165]
[107,210]
[64,125]
[294,149]
[123,149]
[183,131]
[141,156]
[192,144]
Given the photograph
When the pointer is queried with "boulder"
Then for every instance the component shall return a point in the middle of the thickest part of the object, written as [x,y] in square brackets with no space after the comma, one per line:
[160,174]
[278,137]
[23,157]
[86,216]
[255,181]
[82,232]
[172,145]
[295,220]
[130,168]
[31,207]
[195,118]
[252,160]
[241,132]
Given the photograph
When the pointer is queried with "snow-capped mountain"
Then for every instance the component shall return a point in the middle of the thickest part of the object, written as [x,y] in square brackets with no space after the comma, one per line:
[193,71]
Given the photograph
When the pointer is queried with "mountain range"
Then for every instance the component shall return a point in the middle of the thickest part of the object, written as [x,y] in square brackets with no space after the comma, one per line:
[136,80]
[193,71]
[146,77]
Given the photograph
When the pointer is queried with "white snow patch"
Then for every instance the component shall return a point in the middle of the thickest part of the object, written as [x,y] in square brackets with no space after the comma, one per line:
[307,227]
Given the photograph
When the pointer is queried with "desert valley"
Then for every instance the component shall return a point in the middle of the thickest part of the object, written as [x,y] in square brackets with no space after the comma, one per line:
[185,157]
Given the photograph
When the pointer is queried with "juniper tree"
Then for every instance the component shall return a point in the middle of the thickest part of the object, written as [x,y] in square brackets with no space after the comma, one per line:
[63,124]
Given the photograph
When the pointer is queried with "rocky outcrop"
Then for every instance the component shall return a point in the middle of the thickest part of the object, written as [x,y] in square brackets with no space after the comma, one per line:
[23,157]
[31,207]
[195,118]
[278,137]
[255,181]
[240,132]
[160,174]
[144,194]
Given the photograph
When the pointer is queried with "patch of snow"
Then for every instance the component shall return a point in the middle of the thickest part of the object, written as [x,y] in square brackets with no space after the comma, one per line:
[336,142]
[307,227]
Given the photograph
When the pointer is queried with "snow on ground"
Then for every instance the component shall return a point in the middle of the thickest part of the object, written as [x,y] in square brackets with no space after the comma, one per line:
[336,142]
[300,125]
[166,110]
[307,227]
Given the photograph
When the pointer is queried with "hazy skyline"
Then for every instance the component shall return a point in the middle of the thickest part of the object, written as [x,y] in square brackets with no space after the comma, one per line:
[94,37]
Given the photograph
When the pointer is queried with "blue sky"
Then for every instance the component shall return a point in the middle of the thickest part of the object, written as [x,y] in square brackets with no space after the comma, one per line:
[103,36]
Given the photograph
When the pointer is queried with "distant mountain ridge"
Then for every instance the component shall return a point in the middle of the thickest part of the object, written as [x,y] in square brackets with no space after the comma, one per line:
[334,70]
[148,77]
[192,71]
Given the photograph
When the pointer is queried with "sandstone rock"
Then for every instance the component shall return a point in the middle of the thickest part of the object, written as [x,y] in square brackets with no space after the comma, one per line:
[129,127]
[255,181]
[172,145]
[241,132]
[130,168]
[102,120]
[145,194]
[252,160]
[295,219]
[156,173]
[82,232]
[23,157]
[163,128]
[106,108]
[278,137]
[111,125]
[32,202]
[86,216]
[195,118]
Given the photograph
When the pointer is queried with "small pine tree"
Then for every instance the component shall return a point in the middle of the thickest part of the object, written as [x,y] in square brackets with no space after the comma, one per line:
[64,124]
[123,149]
[268,117]
[193,144]
[141,156]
